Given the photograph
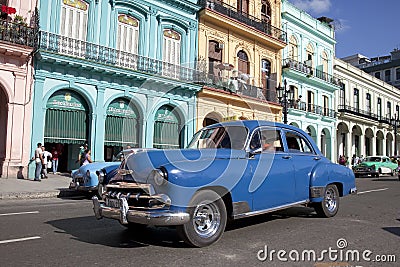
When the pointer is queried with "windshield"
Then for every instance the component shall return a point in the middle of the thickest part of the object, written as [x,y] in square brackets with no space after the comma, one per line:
[119,157]
[231,137]
[374,159]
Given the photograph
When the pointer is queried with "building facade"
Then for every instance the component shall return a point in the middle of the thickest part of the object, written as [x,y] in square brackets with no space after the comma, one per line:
[385,68]
[18,33]
[307,76]
[114,74]
[368,113]
[239,56]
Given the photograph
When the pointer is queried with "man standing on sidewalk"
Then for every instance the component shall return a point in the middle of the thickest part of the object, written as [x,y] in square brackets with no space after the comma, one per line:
[38,161]
[46,157]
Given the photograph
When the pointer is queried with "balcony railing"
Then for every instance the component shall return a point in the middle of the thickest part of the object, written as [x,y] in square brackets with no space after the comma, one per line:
[104,55]
[310,72]
[315,109]
[17,33]
[237,86]
[234,13]
[359,112]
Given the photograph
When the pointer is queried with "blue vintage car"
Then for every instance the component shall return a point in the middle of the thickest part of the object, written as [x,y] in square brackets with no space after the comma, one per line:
[85,178]
[229,170]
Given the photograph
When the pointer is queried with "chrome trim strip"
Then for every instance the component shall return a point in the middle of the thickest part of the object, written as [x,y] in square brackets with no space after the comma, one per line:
[259,212]
[155,217]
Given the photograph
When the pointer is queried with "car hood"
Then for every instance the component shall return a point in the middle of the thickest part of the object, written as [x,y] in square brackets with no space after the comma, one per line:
[367,164]
[92,167]
[144,162]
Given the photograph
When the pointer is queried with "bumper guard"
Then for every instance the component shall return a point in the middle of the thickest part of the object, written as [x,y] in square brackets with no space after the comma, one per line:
[149,217]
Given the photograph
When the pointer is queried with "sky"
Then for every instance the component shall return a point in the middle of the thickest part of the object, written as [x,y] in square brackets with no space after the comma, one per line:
[367,27]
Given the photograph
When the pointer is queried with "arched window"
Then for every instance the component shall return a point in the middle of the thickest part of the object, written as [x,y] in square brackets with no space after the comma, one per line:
[265,11]
[128,34]
[293,52]
[310,55]
[171,53]
[214,58]
[324,57]
[172,47]
[243,62]
[74,17]
[73,24]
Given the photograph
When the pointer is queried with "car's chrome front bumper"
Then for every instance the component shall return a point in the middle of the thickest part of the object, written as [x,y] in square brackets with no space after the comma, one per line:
[149,217]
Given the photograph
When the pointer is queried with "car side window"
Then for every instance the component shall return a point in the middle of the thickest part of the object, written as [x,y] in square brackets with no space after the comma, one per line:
[297,144]
[267,139]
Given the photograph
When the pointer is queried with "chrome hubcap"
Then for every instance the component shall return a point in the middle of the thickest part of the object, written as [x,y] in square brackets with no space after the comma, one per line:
[206,219]
[330,200]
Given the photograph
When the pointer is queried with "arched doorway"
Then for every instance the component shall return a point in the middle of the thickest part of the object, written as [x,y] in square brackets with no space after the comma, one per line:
[168,132]
[121,128]
[326,143]
[310,130]
[389,145]
[67,127]
[342,132]
[379,143]
[211,118]
[356,139]
[3,127]
[369,135]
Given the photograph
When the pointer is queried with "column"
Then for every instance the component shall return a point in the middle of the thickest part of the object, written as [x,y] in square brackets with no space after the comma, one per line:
[98,131]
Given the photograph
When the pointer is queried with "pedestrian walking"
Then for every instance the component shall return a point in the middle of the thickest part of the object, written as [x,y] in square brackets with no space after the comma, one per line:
[46,159]
[38,161]
[54,161]
[81,156]
[87,157]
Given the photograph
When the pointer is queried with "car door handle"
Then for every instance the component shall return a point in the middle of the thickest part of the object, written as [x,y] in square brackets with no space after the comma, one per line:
[317,158]
[286,157]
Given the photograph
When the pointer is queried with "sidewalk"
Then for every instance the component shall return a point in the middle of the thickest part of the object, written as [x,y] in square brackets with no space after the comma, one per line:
[54,186]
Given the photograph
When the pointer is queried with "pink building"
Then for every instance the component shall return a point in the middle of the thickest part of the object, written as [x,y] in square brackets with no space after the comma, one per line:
[17,42]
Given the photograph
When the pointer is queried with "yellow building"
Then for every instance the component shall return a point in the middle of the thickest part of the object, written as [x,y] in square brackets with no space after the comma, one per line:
[240,44]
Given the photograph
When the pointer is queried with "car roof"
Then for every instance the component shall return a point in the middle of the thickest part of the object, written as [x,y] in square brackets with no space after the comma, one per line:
[251,124]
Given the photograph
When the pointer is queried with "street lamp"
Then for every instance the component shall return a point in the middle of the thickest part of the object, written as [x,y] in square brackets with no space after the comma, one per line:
[395,123]
[284,97]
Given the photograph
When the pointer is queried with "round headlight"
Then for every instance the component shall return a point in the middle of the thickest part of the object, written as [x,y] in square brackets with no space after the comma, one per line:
[158,176]
[88,173]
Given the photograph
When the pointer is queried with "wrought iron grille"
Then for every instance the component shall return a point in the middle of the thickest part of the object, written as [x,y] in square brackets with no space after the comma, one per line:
[17,33]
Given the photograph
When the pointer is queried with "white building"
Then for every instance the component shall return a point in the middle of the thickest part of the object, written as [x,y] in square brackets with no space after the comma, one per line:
[368,108]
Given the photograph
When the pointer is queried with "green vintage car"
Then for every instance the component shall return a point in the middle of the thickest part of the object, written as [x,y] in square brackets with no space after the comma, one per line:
[375,166]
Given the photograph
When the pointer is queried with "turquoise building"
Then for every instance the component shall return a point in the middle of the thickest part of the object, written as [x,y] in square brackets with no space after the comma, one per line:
[114,73]
[308,62]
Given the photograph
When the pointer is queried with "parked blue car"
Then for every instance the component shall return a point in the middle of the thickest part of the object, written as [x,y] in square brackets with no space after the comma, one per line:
[230,170]
[85,178]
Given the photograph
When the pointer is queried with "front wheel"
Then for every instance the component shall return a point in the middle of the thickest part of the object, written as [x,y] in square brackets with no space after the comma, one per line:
[101,189]
[330,204]
[207,219]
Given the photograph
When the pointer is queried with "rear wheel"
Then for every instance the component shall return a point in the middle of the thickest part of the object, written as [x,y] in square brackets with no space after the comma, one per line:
[330,204]
[207,220]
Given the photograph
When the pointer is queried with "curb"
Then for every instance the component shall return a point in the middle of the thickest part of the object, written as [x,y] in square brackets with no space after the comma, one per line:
[35,195]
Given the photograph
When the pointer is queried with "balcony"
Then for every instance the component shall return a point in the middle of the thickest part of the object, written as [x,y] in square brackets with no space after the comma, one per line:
[66,46]
[237,86]
[310,72]
[235,14]
[360,112]
[311,108]
[18,34]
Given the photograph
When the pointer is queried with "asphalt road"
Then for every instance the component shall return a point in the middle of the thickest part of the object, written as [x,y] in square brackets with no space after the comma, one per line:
[64,232]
